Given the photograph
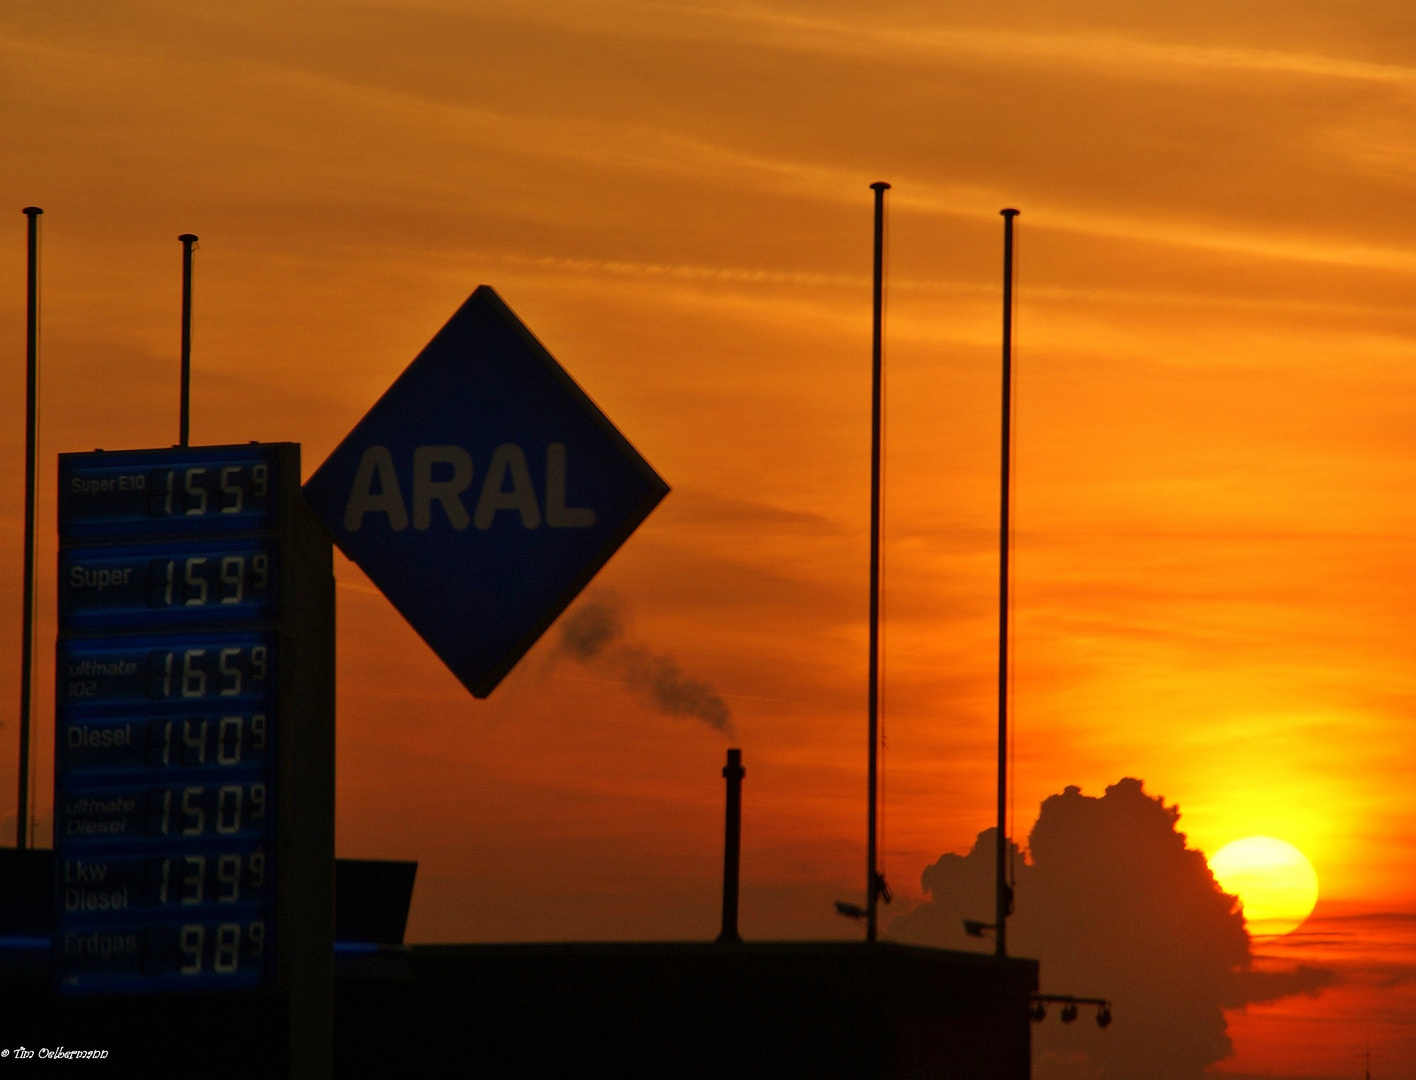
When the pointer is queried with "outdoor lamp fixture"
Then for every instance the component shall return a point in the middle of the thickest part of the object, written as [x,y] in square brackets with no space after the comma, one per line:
[850,911]
[1038,1009]
[855,911]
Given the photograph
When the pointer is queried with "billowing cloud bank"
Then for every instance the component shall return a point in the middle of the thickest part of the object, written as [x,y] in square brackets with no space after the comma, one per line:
[1114,904]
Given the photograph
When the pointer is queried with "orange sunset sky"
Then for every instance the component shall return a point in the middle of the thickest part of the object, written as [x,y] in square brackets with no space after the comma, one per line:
[1215,403]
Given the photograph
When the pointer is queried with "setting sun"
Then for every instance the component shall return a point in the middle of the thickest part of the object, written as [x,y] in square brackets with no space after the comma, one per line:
[1275,881]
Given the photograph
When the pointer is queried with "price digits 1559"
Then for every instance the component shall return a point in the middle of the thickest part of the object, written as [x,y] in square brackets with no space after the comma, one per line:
[200,490]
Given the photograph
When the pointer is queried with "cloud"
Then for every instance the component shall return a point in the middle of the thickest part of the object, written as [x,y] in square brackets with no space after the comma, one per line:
[1114,904]
[593,634]
[1096,52]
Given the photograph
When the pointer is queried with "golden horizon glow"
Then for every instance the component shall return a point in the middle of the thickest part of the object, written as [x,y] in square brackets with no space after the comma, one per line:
[1215,380]
[1273,879]
[1215,390]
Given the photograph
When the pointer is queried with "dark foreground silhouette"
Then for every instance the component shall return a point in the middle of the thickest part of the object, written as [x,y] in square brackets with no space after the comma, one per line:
[825,1010]
[1115,905]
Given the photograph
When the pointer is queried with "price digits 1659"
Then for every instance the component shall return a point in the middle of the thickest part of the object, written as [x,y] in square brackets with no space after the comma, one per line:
[202,673]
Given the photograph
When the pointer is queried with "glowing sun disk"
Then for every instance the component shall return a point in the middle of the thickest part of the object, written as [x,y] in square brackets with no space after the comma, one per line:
[1275,881]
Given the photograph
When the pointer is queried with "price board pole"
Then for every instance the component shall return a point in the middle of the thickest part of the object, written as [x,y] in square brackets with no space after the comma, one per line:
[22,816]
[194,771]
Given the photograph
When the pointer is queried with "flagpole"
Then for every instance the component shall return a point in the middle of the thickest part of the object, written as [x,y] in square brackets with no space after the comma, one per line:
[184,424]
[1003,892]
[872,880]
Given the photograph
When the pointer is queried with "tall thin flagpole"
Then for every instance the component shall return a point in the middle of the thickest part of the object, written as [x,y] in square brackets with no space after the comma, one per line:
[185,421]
[872,880]
[1003,892]
[31,457]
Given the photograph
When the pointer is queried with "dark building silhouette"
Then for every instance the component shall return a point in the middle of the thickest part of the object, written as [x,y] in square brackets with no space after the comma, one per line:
[650,1010]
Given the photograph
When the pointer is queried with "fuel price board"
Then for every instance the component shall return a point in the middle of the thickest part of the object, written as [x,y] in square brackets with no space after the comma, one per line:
[195,673]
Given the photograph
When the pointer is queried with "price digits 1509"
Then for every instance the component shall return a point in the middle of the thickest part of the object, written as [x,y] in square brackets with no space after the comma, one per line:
[201,810]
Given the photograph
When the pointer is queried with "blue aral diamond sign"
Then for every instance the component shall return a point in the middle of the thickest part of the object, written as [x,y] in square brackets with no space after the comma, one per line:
[482,491]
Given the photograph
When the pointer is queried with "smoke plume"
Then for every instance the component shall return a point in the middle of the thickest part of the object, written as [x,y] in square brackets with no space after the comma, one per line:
[593,634]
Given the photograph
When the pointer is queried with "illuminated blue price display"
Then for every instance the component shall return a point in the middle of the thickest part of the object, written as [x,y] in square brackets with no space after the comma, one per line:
[191,668]
[220,880]
[166,586]
[208,490]
[167,719]
[128,743]
[186,810]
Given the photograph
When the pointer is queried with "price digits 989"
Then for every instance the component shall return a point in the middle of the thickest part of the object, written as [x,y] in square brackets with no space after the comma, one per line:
[196,948]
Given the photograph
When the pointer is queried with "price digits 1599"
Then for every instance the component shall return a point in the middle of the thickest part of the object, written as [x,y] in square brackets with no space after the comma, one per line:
[202,580]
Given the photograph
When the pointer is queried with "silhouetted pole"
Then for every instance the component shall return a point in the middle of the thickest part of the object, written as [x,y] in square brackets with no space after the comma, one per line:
[1003,893]
[185,424]
[733,772]
[872,880]
[31,459]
